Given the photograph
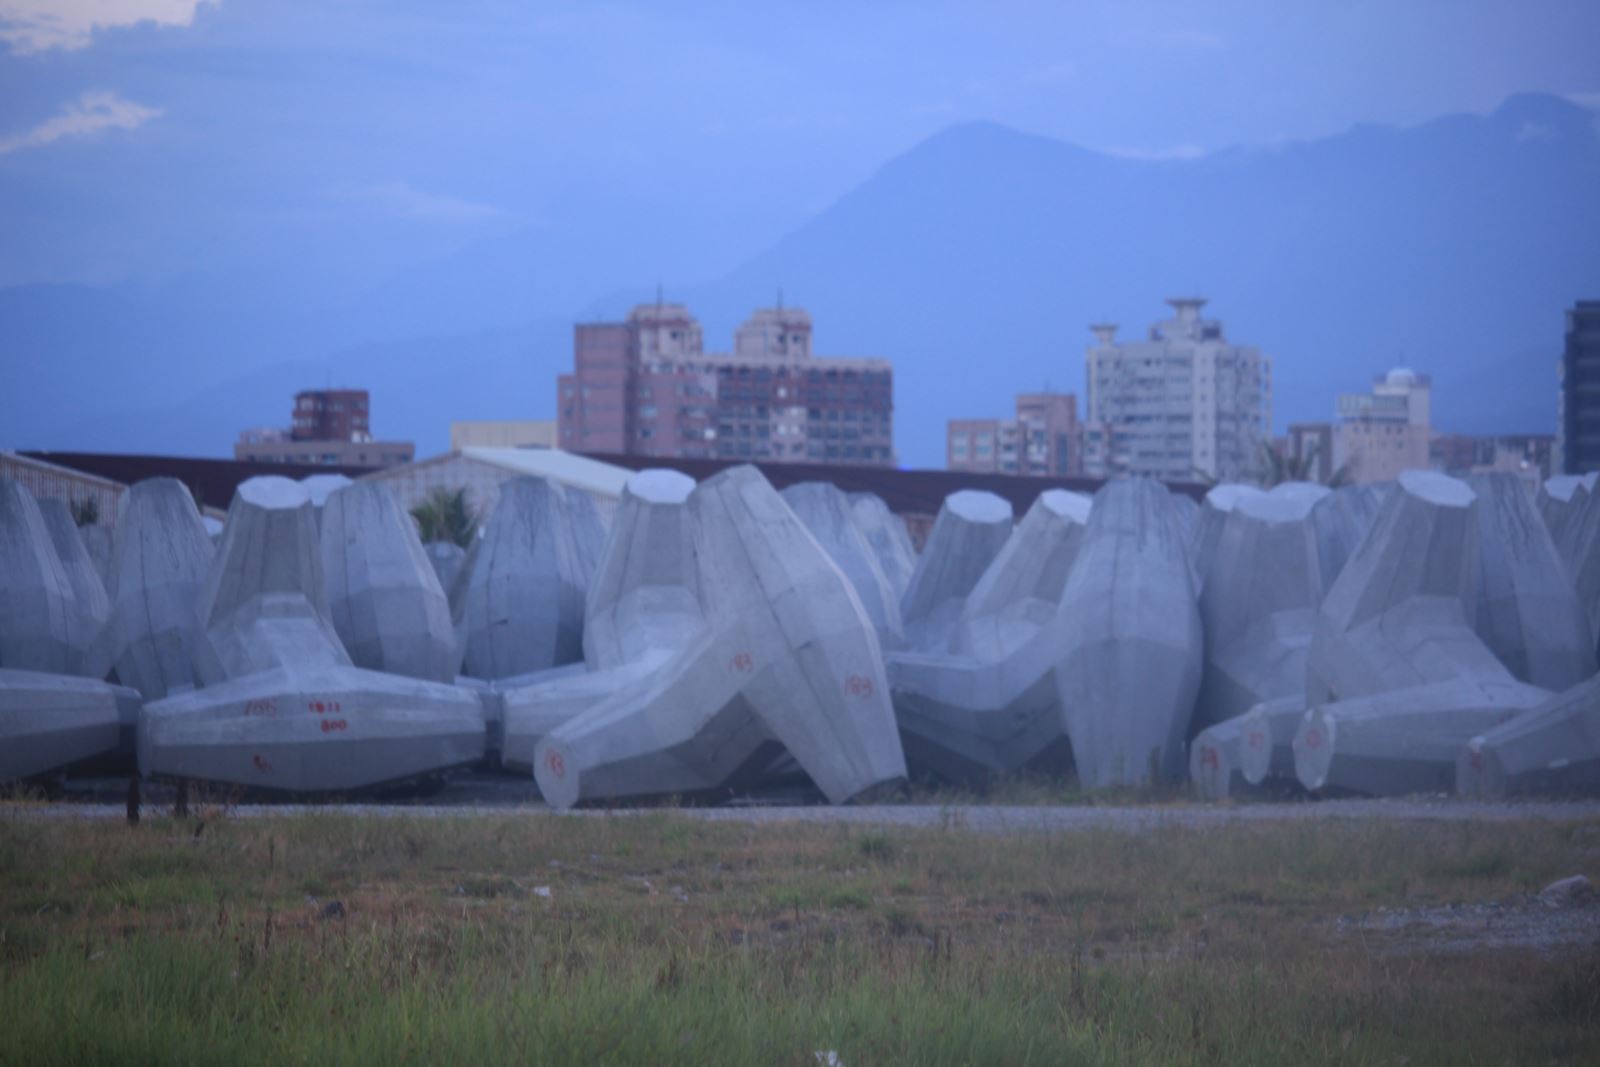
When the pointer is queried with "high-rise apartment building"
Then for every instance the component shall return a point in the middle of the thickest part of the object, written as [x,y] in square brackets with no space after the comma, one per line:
[1579,434]
[1182,404]
[646,386]
[1386,431]
[1042,439]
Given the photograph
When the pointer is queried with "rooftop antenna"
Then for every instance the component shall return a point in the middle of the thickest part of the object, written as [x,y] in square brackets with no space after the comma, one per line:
[780,298]
[658,296]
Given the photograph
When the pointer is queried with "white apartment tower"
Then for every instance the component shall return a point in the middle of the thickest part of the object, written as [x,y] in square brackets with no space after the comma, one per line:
[1183,404]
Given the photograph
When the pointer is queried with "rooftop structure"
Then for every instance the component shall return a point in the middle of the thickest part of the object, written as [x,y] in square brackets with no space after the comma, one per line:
[525,433]
[328,427]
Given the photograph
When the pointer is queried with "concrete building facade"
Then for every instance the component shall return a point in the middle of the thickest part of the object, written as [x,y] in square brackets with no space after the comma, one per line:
[1579,413]
[1181,404]
[328,427]
[1386,431]
[1042,440]
[647,387]
[522,433]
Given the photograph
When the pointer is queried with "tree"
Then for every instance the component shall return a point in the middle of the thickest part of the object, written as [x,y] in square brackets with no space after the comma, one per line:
[445,515]
[1277,468]
[86,512]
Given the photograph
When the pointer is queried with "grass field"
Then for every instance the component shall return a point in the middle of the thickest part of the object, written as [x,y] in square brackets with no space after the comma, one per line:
[661,939]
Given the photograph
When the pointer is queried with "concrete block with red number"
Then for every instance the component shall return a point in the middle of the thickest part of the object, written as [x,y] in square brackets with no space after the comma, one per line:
[1131,644]
[643,606]
[990,703]
[1553,749]
[1248,753]
[786,660]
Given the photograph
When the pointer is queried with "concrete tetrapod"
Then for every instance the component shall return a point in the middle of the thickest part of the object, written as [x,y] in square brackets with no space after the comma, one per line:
[787,658]
[90,608]
[1259,606]
[1207,528]
[1561,497]
[991,703]
[1237,757]
[1342,520]
[1403,741]
[50,720]
[1553,749]
[1578,542]
[1131,643]
[283,709]
[97,541]
[1186,512]
[886,533]
[319,487]
[38,629]
[643,607]
[1528,612]
[384,598]
[827,513]
[968,534]
[161,558]
[447,558]
[519,602]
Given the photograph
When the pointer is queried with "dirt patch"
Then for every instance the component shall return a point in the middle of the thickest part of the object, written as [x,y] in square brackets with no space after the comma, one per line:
[1524,922]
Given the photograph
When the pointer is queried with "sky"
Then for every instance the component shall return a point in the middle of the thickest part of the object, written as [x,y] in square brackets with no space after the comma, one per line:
[148,141]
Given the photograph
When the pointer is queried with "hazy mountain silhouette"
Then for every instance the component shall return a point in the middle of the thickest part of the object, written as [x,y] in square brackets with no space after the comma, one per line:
[974,261]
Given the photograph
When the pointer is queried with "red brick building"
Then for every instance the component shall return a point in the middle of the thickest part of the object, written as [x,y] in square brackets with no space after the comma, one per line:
[1043,440]
[647,387]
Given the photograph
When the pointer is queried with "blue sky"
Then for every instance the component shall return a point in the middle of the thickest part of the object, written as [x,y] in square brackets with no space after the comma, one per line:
[147,140]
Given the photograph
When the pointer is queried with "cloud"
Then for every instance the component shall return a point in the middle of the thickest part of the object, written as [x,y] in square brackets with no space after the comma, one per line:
[1157,155]
[39,25]
[398,198]
[89,114]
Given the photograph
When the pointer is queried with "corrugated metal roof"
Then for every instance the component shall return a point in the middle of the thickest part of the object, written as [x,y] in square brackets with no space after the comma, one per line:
[568,468]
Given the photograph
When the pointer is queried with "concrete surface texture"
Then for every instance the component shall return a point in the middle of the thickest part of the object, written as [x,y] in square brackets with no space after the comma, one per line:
[1528,611]
[319,487]
[50,720]
[643,607]
[1186,512]
[161,559]
[1554,749]
[519,602]
[1578,542]
[827,513]
[1132,641]
[446,558]
[971,528]
[1210,518]
[383,596]
[1403,741]
[1342,520]
[787,658]
[886,533]
[1400,613]
[1259,605]
[90,607]
[312,729]
[991,704]
[97,541]
[38,613]
[265,604]
[1560,498]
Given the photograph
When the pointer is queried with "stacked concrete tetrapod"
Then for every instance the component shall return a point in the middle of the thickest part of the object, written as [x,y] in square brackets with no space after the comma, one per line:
[519,601]
[1206,529]
[384,598]
[1342,520]
[97,541]
[1397,678]
[827,513]
[447,559]
[1560,498]
[47,719]
[968,534]
[1131,642]
[990,702]
[1528,612]
[643,607]
[886,533]
[1577,538]
[1258,610]
[283,709]
[90,608]
[1553,748]
[786,657]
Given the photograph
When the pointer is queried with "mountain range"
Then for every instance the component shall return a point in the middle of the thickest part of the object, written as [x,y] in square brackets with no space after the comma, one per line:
[974,261]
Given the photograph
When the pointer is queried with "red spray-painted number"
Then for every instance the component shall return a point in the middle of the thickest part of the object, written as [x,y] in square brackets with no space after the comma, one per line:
[557,765]
[742,663]
[859,685]
[261,707]
[322,707]
[1209,759]
[330,726]
[260,764]
[1255,739]
[1314,739]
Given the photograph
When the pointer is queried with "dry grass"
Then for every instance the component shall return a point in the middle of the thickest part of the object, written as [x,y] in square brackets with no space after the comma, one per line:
[664,939]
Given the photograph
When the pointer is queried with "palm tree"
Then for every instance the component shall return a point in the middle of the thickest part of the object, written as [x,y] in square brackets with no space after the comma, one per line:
[445,515]
[1277,468]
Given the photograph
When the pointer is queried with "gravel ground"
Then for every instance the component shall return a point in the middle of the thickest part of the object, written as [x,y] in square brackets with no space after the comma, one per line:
[496,795]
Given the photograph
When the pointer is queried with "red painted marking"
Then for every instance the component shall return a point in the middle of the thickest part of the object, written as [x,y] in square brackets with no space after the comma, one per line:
[261,764]
[1314,739]
[742,663]
[1209,758]
[1255,739]
[261,707]
[859,685]
[557,765]
[334,725]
